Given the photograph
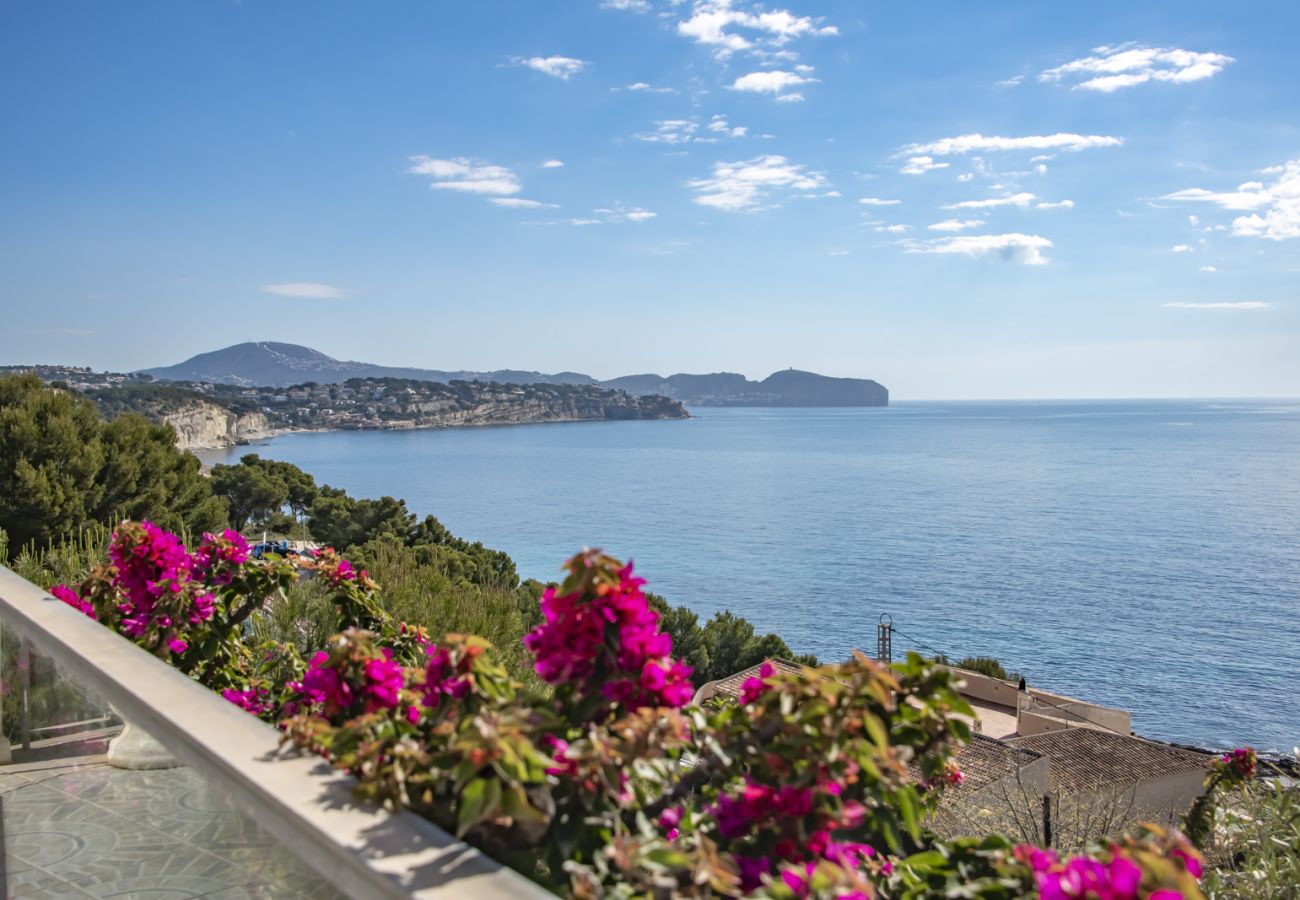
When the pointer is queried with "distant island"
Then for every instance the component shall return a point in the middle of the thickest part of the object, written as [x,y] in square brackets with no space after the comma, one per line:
[272,364]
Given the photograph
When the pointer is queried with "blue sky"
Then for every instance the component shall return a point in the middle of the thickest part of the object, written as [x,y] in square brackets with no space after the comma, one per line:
[959,200]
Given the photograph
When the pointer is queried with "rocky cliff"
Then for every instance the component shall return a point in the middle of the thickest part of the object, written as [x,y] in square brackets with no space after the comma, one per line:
[206,426]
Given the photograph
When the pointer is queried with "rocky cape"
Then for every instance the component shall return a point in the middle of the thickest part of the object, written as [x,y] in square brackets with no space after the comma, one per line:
[272,364]
[208,416]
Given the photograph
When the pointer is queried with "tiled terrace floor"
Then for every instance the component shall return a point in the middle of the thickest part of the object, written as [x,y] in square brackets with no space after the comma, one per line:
[76,827]
[996,721]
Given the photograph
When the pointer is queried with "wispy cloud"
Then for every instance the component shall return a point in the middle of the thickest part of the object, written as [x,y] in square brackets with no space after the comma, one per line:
[955,224]
[305,290]
[1181,248]
[645,87]
[1019,248]
[521,203]
[919,165]
[670,131]
[553,164]
[720,125]
[1275,207]
[1207,269]
[1009,82]
[561,67]
[1055,204]
[747,185]
[894,229]
[1247,304]
[464,174]
[620,213]
[630,5]
[968,143]
[877,201]
[1110,69]
[1021,200]
[775,82]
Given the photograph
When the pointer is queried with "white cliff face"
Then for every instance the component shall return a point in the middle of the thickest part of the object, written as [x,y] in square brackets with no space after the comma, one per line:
[206,426]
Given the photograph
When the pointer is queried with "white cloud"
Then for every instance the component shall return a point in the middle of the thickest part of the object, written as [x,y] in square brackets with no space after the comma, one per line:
[717,24]
[1009,82]
[965,176]
[1207,269]
[1021,200]
[1058,204]
[620,213]
[521,203]
[1193,220]
[646,87]
[967,143]
[894,229]
[305,290]
[1180,248]
[630,5]
[719,124]
[463,174]
[561,67]
[670,131]
[553,164]
[1278,201]
[1020,248]
[775,82]
[956,224]
[1247,304]
[746,185]
[919,165]
[1126,65]
[877,201]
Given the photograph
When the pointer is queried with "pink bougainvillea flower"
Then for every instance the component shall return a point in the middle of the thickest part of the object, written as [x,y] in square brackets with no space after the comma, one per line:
[755,687]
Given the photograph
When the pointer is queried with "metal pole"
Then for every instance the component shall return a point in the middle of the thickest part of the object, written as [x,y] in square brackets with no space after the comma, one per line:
[1047,820]
[25,683]
[885,639]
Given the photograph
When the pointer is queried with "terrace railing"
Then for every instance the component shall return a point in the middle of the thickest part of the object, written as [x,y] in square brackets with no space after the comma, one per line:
[360,850]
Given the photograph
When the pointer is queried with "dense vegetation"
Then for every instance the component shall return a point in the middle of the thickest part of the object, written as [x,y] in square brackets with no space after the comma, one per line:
[62,467]
[153,400]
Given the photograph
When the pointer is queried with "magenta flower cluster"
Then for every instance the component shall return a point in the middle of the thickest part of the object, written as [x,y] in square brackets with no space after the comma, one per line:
[608,639]
[158,586]
[254,700]
[1240,762]
[755,687]
[325,686]
[441,678]
[1081,878]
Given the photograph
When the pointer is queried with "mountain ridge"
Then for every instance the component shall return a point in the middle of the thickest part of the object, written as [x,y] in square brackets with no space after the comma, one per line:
[277,364]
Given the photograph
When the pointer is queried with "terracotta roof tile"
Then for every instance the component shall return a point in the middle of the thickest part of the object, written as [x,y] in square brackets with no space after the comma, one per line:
[986,760]
[731,685]
[1085,759]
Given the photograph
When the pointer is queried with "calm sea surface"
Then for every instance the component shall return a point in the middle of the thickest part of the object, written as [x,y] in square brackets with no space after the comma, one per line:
[1142,554]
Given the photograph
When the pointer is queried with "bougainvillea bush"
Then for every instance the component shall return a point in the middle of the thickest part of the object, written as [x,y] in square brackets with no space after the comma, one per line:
[611,783]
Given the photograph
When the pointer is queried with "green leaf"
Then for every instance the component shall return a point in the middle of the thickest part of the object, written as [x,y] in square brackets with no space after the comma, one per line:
[911,814]
[480,798]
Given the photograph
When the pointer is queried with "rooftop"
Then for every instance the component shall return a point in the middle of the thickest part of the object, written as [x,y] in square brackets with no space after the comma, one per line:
[1085,759]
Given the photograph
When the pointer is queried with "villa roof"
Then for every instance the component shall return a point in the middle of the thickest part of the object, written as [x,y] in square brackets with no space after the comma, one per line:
[986,761]
[731,685]
[1086,759]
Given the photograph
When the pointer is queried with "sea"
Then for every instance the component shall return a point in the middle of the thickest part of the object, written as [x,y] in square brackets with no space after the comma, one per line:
[1138,554]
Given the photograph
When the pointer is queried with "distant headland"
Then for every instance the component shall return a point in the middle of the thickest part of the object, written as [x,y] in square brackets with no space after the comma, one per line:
[272,364]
